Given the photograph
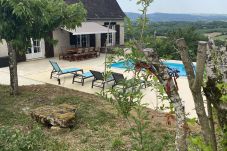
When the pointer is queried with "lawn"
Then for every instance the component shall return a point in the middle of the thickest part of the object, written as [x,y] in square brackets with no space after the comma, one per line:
[98,127]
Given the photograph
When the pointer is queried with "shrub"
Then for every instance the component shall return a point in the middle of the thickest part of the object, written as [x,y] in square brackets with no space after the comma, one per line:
[219,42]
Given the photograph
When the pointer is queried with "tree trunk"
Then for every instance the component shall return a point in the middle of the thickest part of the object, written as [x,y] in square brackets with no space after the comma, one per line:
[195,83]
[212,128]
[181,131]
[213,95]
[203,119]
[165,79]
[224,64]
[12,69]
[212,92]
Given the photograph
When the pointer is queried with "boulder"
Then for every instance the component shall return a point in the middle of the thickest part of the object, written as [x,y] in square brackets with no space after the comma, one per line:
[62,116]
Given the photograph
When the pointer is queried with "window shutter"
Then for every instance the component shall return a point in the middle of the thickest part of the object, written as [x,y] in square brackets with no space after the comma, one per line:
[92,40]
[117,34]
[103,39]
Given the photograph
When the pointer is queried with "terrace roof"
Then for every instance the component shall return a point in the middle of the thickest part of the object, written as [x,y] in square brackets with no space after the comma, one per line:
[87,28]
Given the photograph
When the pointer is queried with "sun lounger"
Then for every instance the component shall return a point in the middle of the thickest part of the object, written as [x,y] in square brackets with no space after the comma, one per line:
[99,80]
[82,77]
[120,80]
[58,71]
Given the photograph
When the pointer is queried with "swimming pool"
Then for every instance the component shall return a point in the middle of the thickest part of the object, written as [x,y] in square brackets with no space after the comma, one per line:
[178,66]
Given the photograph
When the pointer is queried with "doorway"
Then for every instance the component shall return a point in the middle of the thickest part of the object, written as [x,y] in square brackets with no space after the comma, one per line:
[36,50]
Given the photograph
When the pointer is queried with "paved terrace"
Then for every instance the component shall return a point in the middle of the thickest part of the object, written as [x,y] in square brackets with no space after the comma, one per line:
[38,72]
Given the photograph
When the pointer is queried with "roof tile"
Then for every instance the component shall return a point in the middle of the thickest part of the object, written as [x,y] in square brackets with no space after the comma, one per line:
[101,9]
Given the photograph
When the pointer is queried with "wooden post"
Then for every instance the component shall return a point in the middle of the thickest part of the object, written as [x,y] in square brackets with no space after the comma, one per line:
[212,92]
[195,83]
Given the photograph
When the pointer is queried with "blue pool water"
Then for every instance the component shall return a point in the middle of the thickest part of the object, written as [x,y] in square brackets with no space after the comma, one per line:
[177,66]
[122,64]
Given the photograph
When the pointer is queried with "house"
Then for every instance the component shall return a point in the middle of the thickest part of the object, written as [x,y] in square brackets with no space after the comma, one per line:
[104,22]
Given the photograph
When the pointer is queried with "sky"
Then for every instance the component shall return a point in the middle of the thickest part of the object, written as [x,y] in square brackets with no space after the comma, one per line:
[179,6]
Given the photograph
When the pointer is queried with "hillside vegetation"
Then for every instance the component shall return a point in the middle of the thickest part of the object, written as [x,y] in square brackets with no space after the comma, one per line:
[166,17]
[163,35]
[98,125]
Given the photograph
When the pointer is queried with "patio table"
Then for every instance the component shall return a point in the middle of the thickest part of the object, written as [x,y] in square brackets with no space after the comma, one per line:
[72,50]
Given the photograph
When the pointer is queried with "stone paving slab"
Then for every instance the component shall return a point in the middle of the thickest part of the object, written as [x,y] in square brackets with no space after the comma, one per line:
[5,80]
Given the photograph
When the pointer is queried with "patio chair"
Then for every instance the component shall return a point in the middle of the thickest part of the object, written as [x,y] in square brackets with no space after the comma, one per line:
[99,80]
[119,79]
[63,54]
[58,71]
[92,52]
[97,50]
[79,55]
[76,56]
[81,77]
[86,53]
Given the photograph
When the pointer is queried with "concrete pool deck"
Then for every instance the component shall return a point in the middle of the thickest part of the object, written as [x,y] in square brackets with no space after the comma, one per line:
[38,72]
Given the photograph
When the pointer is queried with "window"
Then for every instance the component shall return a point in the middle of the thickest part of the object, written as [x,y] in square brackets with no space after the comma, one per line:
[111,36]
[110,40]
[78,41]
[29,50]
[36,45]
[82,41]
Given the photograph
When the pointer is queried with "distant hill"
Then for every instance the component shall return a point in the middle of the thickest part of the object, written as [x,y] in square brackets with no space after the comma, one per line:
[165,17]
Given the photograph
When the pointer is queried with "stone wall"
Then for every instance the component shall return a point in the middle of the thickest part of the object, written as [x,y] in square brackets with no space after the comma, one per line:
[62,37]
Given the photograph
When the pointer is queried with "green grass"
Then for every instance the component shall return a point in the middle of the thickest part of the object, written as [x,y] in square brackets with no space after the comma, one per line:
[221,37]
[15,140]
[98,126]
[203,31]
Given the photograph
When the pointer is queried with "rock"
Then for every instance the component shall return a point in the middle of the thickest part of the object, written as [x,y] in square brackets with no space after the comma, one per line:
[56,128]
[62,116]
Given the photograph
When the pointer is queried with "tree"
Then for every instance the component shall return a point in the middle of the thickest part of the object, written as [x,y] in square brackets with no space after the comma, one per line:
[156,67]
[149,59]
[195,80]
[25,19]
[153,62]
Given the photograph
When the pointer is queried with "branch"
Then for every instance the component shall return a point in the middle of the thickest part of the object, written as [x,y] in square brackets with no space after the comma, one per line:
[182,48]
[200,64]
[210,61]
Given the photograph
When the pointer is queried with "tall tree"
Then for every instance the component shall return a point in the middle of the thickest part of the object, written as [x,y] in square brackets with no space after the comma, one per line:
[149,59]
[22,20]
[156,67]
[195,80]
[152,60]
